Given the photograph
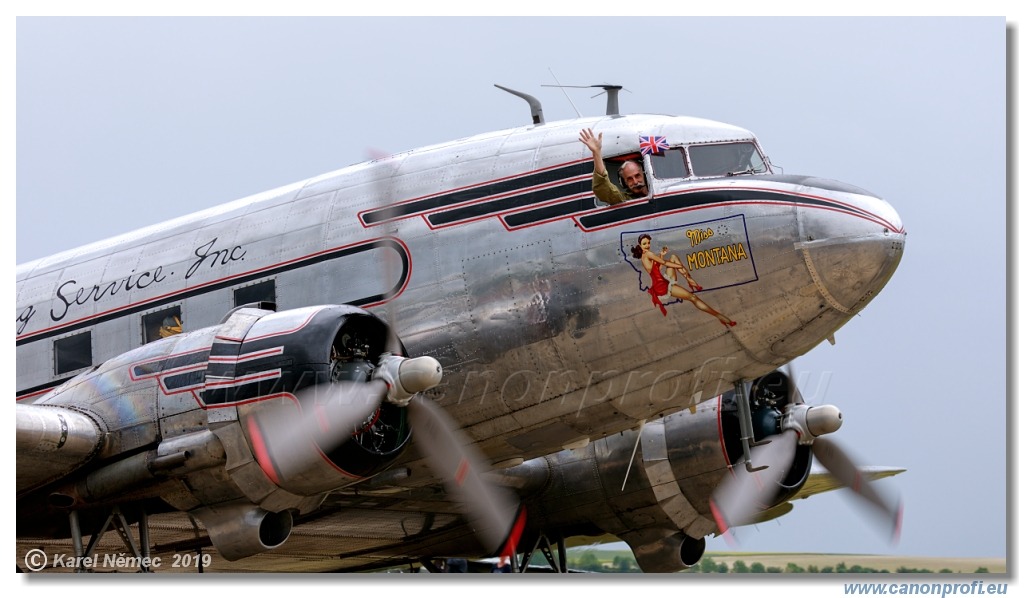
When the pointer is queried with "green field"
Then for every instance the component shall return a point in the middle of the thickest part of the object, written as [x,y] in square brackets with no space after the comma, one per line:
[621,561]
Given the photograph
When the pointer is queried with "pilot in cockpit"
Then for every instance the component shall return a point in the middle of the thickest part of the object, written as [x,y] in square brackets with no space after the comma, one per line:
[631,174]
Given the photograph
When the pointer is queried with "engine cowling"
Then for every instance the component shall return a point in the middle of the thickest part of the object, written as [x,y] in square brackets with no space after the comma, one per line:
[274,369]
[176,413]
[653,493]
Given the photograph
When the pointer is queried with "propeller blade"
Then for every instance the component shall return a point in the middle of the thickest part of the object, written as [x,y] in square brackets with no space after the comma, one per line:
[287,442]
[743,494]
[492,510]
[840,465]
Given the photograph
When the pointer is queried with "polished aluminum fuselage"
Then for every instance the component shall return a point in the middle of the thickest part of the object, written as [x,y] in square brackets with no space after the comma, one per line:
[491,255]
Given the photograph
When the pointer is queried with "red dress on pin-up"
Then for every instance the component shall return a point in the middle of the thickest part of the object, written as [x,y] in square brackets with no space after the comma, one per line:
[659,287]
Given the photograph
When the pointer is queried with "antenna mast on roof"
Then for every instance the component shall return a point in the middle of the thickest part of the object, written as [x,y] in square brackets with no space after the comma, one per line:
[612,107]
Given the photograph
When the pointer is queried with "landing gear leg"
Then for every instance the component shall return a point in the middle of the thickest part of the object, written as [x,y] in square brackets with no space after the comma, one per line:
[76,536]
[199,548]
[544,545]
[120,524]
[431,566]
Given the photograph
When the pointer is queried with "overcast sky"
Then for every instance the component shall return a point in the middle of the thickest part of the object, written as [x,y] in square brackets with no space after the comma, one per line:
[123,123]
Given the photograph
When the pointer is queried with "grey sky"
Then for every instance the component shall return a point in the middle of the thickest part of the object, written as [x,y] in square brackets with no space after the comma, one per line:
[123,123]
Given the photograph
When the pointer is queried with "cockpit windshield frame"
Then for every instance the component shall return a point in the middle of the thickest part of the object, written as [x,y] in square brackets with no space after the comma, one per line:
[710,160]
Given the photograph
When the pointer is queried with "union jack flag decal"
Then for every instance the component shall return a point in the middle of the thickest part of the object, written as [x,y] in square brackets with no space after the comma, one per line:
[652,144]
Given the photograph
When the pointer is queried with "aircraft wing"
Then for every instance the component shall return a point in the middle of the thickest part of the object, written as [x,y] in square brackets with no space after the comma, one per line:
[820,480]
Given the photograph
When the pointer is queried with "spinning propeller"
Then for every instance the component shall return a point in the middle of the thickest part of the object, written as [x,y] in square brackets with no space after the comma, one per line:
[346,407]
[332,413]
[743,493]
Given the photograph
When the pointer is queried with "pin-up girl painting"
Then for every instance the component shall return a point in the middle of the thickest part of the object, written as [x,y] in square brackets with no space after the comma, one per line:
[666,284]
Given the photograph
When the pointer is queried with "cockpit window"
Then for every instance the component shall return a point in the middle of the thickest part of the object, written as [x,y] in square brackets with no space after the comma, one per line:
[623,171]
[726,159]
[670,165]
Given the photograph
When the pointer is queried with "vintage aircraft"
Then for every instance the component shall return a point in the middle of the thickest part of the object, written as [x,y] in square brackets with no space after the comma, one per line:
[292,376]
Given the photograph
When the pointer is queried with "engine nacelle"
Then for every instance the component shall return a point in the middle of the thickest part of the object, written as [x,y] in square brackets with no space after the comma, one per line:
[174,415]
[266,365]
[658,500]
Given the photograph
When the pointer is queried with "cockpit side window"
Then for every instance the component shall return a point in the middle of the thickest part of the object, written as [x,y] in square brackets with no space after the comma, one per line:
[613,166]
[670,164]
[726,159]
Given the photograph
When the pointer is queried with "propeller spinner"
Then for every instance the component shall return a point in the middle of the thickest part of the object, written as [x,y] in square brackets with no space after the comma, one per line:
[743,494]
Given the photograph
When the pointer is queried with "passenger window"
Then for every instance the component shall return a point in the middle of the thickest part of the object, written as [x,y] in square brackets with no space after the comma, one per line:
[72,353]
[261,292]
[161,324]
[670,165]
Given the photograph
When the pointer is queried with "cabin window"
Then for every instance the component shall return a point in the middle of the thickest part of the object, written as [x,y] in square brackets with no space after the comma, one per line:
[161,324]
[670,165]
[726,159]
[72,353]
[261,292]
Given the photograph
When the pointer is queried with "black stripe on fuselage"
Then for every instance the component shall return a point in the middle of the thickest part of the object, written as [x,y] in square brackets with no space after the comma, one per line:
[454,198]
[552,212]
[696,199]
[497,206]
[234,281]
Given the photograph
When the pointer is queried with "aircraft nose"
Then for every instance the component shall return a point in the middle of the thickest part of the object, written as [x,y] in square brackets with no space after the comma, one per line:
[852,252]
